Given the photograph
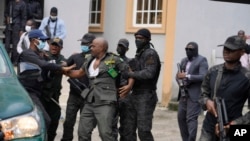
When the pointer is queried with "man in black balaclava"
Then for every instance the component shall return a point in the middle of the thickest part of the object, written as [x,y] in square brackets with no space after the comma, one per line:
[192,51]
[143,99]
[192,71]
[142,40]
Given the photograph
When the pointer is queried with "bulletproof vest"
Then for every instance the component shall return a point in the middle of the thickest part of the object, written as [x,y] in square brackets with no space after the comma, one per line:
[140,61]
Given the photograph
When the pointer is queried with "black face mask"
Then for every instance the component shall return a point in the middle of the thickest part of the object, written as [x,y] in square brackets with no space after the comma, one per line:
[121,50]
[140,43]
[192,52]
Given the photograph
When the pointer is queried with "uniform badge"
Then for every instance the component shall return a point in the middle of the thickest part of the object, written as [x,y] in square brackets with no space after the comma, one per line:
[150,60]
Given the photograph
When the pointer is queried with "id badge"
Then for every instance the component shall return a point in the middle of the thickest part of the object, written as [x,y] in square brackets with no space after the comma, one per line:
[112,72]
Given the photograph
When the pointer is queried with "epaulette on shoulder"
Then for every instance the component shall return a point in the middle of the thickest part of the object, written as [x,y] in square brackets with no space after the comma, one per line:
[87,56]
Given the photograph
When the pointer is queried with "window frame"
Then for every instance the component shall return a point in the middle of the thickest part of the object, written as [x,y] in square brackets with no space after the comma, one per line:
[99,27]
[130,19]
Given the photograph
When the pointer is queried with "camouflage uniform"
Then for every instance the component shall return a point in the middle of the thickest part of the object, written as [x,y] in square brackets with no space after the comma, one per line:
[100,98]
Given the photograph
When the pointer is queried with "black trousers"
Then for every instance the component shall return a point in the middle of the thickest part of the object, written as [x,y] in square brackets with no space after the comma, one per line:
[188,112]
[12,37]
[75,103]
[141,106]
[54,112]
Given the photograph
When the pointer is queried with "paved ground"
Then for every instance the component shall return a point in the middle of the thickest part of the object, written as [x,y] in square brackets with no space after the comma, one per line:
[165,126]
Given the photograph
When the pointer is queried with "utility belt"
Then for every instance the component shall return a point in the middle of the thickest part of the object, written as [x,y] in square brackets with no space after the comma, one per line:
[142,91]
[144,86]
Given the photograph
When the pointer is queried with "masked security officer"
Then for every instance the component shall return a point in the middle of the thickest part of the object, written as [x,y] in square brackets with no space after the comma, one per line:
[122,48]
[143,99]
[75,101]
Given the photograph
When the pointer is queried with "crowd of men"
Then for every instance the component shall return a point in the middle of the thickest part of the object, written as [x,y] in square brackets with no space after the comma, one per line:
[107,87]
[104,86]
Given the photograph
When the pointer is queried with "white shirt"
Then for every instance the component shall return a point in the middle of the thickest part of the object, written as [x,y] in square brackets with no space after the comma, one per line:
[245,61]
[187,69]
[93,72]
[23,43]
[60,27]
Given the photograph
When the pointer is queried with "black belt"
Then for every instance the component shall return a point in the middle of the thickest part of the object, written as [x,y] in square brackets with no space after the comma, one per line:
[141,91]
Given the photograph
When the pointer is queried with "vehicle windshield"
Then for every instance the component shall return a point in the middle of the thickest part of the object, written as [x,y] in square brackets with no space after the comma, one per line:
[4,69]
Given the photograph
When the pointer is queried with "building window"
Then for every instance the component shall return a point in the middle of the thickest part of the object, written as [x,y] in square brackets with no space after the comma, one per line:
[96,15]
[146,13]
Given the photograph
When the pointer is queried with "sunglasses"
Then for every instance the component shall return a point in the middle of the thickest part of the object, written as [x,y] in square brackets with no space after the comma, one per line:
[189,49]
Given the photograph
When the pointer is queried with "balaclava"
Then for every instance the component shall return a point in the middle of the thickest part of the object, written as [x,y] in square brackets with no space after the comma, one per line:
[142,43]
[192,53]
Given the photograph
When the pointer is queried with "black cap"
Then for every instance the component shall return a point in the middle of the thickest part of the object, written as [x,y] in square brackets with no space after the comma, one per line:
[57,42]
[234,43]
[124,42]
[144,32]
[53,10]
[87,38]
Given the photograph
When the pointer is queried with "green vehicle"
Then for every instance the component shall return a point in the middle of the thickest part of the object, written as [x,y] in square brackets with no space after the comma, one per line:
[20,119]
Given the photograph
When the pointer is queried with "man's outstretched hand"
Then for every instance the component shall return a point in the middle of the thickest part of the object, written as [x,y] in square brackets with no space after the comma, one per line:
[65,70]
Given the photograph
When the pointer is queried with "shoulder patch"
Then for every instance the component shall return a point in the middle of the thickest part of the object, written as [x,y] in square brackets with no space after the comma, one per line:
[150,60]
[87,55]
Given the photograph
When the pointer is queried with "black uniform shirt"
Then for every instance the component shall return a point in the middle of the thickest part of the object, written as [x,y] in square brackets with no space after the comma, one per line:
[34,85]
[34,57]
[78,59]
[17,11]
[234,88]
[147,69]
